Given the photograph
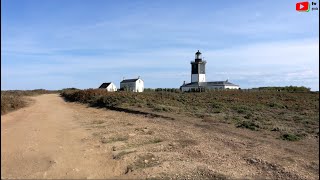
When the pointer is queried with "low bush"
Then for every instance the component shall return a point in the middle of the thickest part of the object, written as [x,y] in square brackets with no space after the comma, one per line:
[10,102]
[289,137]
[241,109]
[249,125]
[15,99]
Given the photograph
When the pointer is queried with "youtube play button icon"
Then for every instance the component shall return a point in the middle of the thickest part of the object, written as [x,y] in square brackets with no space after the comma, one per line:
[303,6]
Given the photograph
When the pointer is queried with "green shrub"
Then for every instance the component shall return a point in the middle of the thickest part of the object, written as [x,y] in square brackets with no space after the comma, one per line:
[217,105]
[248,116]
[241,109]
[248,124]
[289,137]
[276,105]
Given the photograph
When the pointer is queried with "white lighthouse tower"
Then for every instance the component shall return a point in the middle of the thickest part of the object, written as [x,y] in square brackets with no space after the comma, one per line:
[198,69]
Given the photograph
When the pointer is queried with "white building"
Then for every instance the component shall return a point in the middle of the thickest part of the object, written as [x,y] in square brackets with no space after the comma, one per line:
[198,78]
[108,86]
[134,85]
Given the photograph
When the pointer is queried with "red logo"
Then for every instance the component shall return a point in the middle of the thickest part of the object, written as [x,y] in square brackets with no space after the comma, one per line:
[303,6]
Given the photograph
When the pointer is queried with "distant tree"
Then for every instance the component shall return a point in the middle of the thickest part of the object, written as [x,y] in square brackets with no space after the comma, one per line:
[285,88]
[149,89]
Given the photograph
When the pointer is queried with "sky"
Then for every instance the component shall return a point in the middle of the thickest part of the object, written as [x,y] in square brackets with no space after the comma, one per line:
[55,44]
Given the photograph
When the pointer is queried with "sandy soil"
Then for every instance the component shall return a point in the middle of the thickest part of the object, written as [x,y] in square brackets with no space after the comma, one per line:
[55,139]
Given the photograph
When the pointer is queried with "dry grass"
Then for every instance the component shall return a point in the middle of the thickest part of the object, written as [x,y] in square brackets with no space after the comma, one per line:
[114,139]
[13,100]
[10,102]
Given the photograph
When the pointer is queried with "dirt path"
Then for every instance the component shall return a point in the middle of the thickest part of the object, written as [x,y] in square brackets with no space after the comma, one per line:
[56,139]
[44,141]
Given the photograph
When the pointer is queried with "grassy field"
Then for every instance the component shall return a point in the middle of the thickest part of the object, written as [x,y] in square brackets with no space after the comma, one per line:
[293,115]
[15,99]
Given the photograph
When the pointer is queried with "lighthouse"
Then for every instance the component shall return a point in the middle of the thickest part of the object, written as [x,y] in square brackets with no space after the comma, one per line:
[198,69]
[198,78]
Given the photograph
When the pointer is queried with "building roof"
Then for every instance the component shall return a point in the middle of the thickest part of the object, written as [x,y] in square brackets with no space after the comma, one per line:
[129,80]
[207,84]
[105,85]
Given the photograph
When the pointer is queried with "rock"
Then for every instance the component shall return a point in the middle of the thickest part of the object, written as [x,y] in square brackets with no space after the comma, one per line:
[253,160]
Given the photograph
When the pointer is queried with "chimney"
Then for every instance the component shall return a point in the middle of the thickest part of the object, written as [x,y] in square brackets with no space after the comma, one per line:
[184,82]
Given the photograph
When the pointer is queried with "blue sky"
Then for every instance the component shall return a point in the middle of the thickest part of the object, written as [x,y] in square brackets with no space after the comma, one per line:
[56,44]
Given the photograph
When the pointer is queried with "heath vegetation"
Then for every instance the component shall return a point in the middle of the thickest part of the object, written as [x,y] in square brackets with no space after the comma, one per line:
[291,111]
[16,99]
